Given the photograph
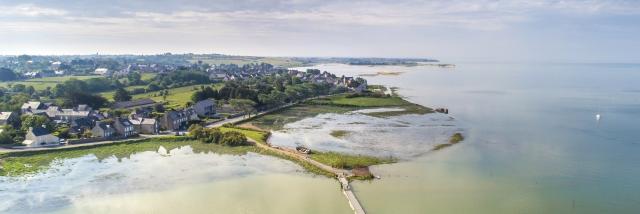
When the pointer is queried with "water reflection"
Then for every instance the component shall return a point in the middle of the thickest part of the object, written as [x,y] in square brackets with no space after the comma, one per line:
[70,181]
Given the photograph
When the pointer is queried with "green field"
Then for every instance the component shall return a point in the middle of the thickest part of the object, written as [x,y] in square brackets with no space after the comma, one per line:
[43,83]
[347,161]
[253,134]
[177,98]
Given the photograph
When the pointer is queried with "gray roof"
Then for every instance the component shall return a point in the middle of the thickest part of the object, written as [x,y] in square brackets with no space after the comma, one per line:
[39,131]
[104,126]
[31,105]
[133,103]
[124,122]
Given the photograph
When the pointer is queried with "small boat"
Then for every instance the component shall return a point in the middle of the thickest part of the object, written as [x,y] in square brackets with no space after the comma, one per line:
[597,117]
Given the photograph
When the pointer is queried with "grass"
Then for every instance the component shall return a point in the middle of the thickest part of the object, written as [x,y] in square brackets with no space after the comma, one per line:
[177,98]
[347,161]
[43,83]
[454,139]
[338,104]
[259,136]
[339,133]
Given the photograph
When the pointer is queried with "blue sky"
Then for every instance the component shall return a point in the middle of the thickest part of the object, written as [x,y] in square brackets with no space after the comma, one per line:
[560,30]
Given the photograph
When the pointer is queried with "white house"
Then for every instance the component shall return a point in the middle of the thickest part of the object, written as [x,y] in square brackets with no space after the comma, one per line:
[102,71]
[39,136]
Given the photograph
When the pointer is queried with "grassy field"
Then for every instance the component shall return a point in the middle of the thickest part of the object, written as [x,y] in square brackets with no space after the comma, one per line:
[336,104]
[258,136]
[43,83]
[177,98]
[347,161]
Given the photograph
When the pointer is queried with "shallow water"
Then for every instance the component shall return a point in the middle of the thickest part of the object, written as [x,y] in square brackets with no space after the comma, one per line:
[401,137]
[533,144]
[171,181]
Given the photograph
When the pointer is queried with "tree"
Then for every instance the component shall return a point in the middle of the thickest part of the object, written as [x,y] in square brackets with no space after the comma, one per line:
[159,108]
[30,121]
[121,95]
[7,75]
[244,105]
[233,138]
[196,131]
[77,98]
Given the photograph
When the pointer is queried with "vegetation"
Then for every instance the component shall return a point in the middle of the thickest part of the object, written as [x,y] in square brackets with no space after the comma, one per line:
[121,95]
[347,161]
[339,103]
[339,133]
[216,136]
[454,139]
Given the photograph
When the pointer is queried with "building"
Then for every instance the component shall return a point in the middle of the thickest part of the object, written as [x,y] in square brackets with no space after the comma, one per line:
[102,129]
[175,120]
[66,115]
[102,71]
[145,125]
[40,136]
[124,127]
[32,107]
[205,108]
[78,126]
[141,103]
[9,118]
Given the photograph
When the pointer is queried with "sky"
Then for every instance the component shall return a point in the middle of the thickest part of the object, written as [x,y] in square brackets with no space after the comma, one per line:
[515,30]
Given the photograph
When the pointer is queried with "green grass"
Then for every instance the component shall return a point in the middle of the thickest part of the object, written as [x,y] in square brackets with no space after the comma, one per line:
[339,133]
[454,139]
[43,83]
[177,98]
[347,161]
[369,101]
[147,76]
[258,136]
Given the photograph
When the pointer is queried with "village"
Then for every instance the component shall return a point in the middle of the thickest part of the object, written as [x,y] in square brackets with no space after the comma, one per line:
[48,125]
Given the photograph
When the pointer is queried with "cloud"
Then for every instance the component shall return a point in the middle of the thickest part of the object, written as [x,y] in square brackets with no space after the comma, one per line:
[30,10]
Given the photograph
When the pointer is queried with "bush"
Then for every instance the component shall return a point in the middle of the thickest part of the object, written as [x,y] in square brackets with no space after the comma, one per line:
[233,138]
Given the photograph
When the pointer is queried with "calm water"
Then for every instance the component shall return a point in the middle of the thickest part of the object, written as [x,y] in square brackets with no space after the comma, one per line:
[533,146]
[533,143]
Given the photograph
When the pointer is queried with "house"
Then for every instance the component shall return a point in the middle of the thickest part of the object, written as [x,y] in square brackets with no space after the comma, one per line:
[141,103]
[102,129]
[78,126]
[124,127]
[102,71]
[66,115]
[175,120]
[145,125]
[205,108]
[9,118]
[40,136]
[31,107]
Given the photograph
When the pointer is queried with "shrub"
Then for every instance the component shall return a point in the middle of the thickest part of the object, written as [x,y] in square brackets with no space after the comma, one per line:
[233,138]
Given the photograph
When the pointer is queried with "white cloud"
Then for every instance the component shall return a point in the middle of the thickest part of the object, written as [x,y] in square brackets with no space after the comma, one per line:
[30,10]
